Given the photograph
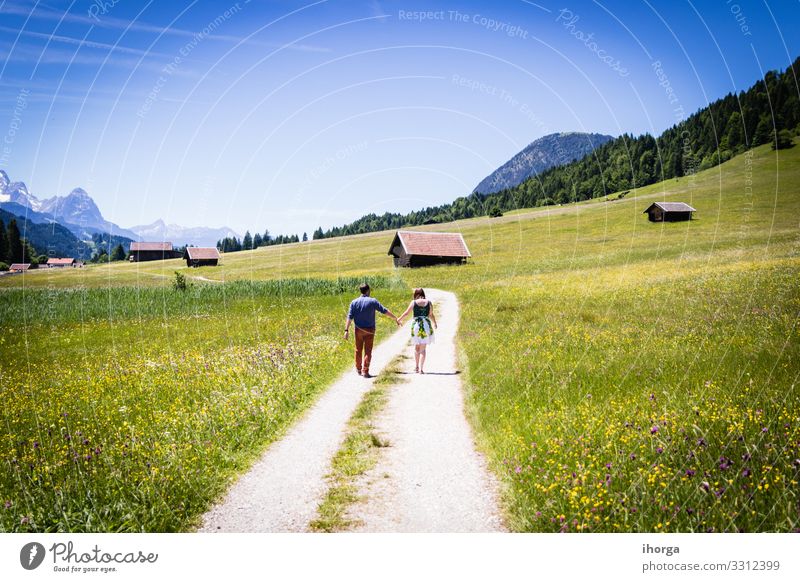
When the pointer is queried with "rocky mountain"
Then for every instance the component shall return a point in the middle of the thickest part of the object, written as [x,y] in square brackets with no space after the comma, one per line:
[546,152]
[181,235]
[16,193]
[77,211]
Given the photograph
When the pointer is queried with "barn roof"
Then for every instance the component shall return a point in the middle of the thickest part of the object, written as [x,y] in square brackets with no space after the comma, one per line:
[431,244]
[151,246]
[672,207]
[19,266]
[202,253]
[63,261]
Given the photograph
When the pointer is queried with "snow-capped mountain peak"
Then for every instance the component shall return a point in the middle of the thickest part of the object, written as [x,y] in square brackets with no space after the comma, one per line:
[179,235]
[77,210]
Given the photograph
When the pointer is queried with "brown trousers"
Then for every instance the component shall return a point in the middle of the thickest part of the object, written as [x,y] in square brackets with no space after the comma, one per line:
[364,339]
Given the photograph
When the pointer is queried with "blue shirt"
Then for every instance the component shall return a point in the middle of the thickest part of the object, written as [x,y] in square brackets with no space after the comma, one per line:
[362,311]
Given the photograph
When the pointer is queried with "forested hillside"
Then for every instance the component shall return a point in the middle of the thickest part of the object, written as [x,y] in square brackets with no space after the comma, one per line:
[769,111]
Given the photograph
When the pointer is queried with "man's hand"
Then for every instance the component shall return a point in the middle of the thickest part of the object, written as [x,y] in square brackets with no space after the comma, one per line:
[398,321]
[346,334]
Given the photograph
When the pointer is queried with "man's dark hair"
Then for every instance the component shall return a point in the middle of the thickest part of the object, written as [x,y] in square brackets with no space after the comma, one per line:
[363,288]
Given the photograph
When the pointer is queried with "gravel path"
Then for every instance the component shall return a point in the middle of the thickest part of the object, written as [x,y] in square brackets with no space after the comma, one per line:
[430,479]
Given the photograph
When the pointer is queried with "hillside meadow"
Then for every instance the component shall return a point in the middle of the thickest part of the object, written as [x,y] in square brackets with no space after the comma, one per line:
[621,375]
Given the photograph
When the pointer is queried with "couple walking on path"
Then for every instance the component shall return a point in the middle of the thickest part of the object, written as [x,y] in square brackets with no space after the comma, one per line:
[362,315]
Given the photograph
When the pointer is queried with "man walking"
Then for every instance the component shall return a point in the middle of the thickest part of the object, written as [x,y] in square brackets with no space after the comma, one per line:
[362,314]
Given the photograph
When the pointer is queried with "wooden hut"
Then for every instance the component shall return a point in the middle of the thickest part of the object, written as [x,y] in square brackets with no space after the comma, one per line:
[201,256]
[422,249]
[151,251]
[55,262]
[669,211]
[19,267]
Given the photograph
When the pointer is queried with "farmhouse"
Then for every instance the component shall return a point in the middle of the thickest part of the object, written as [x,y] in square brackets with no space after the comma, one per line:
[151,251]
[201,256]
[669,211]
[54,262]
[19,267]
[421,249]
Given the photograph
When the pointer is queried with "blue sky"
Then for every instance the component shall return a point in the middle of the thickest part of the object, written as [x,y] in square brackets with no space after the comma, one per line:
[291,115]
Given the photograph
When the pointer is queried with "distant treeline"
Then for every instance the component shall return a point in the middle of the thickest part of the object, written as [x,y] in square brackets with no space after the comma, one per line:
[231,244]
[768,112]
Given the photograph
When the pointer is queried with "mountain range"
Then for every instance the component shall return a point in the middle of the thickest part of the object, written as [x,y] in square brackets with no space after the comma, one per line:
[200,236]
[78,212]
[546,152]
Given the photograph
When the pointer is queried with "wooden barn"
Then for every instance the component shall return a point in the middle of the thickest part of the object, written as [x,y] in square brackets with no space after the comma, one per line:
[669,212]
[201,256]
[19,267]
[422,249]
[54,262]
[151,251]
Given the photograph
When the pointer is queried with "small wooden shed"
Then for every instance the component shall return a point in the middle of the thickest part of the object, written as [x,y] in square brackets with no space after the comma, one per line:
[422,249]
[151,251]
[19,267]
[201,256]
[669,211]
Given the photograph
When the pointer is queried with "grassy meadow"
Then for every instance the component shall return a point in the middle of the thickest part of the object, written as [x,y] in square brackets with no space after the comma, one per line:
[621,375]
[129,409]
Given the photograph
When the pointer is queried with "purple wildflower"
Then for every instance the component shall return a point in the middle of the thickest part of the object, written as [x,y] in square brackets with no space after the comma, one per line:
[705,486]
[654,429]
[690,472]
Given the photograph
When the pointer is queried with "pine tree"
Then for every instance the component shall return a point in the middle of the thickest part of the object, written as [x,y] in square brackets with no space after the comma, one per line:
[257,241]
[15,249]
[305,237]
[3,242]
[735,132]
[118,254]
[247,242]
[783,141]
[763,131]
[266,238]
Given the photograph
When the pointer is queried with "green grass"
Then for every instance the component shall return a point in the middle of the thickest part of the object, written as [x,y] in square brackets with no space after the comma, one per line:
[357,455]
[130,409]
[584,327]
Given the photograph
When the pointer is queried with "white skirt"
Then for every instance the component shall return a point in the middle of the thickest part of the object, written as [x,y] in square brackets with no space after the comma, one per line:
[421,331]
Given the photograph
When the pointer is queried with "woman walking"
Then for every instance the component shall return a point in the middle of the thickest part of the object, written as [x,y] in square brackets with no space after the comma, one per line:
[421,328]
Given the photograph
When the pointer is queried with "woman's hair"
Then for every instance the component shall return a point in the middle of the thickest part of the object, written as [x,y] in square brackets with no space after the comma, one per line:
[419,292]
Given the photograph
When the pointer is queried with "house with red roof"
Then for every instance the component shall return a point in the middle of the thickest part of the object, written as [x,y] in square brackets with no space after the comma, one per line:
[55,262]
